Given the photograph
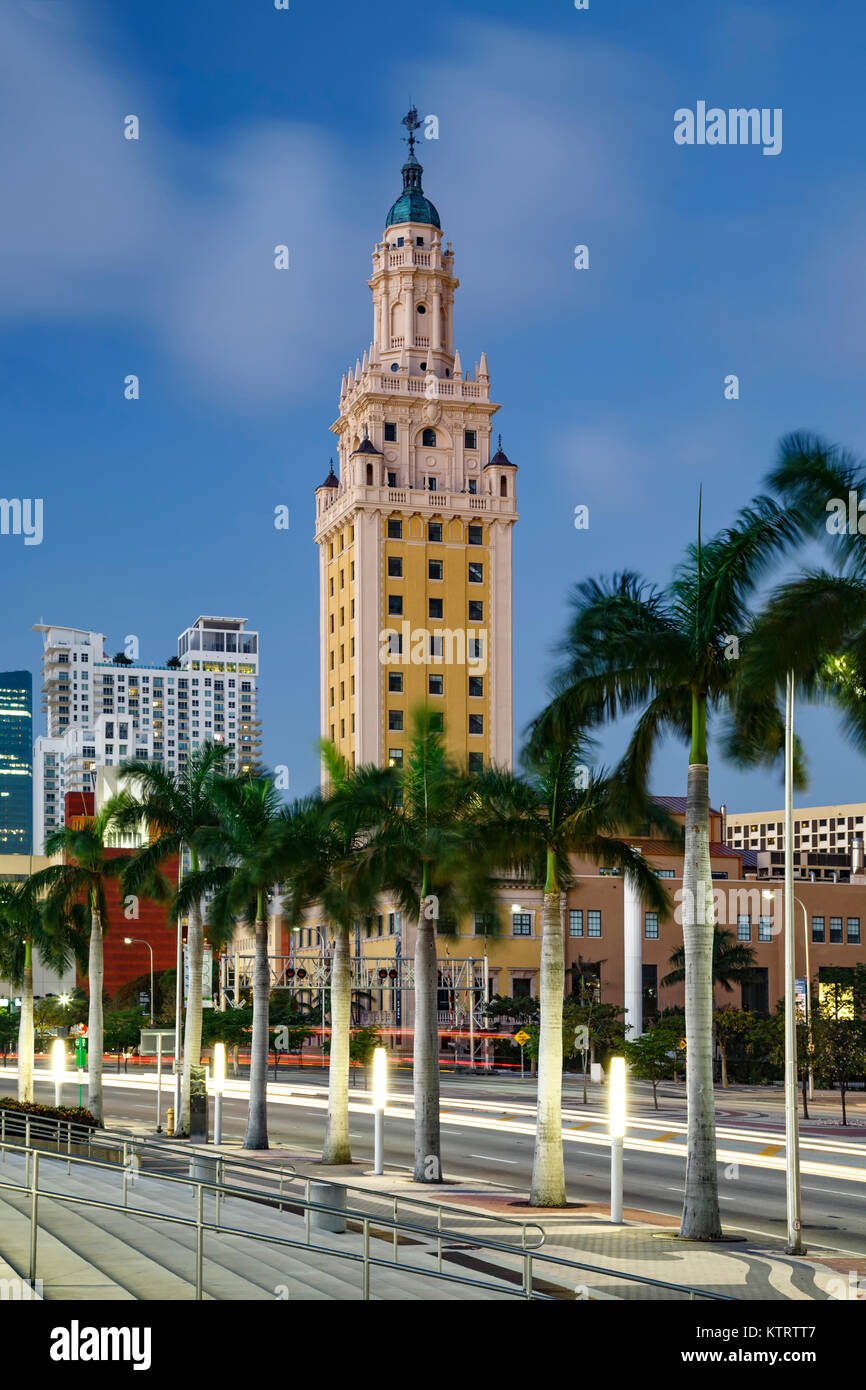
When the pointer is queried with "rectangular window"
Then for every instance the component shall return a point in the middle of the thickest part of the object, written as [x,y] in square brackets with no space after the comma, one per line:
[650,983]
[853,931]
[651,926]
[469,439]
[390,432]
[437,723]
[434,569]
[765,929]
[390,924]
[434,531]
[476,572]
[473,486]
[435,685]
[664,873]
[392,479]
[476,610]
[476,686]
[476,535]
[476,762]
[395,682]
[395,567]
[484,923]
[521,923]
[817,928]
[593,923]
[431,484]
[395,719]
[395,605]
[835,931]
[575,921]
[744,928]
[395,530]
[476,723]
[395,757]
[434,607]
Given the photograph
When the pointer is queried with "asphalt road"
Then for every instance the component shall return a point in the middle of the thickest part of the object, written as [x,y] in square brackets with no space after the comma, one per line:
[752,1199]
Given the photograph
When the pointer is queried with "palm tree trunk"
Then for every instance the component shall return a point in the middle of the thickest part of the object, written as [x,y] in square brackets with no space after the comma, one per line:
[95,974]
[337,1147]
[700,1219]
[548,1173]
[425,1063]
[26,1035]
[256,1136]
[192,1030]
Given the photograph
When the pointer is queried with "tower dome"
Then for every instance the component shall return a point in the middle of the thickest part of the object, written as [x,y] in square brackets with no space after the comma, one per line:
[412,205]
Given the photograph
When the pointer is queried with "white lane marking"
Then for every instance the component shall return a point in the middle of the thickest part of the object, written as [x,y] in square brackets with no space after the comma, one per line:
[826,1191]
[488,1158]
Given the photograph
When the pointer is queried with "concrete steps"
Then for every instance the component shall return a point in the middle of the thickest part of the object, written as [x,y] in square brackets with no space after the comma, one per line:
[91,1253]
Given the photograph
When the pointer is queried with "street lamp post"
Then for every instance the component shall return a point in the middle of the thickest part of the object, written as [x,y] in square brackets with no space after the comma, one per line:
[139,941]
[792,1134]
[769,893]
[617,1134]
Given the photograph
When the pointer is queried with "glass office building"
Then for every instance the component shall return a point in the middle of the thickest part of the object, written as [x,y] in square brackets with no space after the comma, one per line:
[16,762]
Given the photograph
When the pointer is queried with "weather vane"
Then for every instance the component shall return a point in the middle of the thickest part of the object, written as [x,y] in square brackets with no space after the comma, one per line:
[412,123]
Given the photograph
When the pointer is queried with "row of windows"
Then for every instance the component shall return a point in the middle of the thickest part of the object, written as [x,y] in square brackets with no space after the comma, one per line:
[435,685]
[435,572]
[395,722]
[575,922]
[428,438]
[474,534]
[395,757]
[852,929]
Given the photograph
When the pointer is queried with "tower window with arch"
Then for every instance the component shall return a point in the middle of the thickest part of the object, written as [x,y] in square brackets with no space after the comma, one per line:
[428,439]
[503,486]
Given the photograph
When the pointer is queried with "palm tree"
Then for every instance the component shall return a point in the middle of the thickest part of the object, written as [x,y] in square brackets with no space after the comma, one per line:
[539,822]
[238,867]
[83,878]
[733,962]
[427,854]
[814,624]
[671,655]
[22,929]
[176,807]
[319,848]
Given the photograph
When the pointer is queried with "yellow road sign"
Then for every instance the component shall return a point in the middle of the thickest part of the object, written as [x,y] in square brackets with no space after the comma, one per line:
[521,1038]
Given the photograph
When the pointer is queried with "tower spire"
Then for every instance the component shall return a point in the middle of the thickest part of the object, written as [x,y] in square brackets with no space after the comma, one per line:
[412,123]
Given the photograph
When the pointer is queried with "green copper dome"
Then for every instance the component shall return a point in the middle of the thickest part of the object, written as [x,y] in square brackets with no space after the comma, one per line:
[412,205]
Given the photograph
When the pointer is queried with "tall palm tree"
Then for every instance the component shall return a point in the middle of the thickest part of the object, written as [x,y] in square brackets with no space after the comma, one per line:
[670,655]
[428,855]
[814,624]
[238,867]
[539,821]
[319,849]
[175,807]
[22,930]
[82,878]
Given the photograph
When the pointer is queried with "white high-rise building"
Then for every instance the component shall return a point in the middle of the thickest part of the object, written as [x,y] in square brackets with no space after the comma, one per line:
[100,713]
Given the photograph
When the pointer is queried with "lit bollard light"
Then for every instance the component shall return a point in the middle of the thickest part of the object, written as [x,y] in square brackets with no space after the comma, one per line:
[380,1091]
[218,1084]
[617,1133]
[58,1069]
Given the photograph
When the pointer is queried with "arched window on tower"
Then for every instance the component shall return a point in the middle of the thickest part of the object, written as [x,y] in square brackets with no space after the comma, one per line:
[428,439]
[370,475]
[503,486]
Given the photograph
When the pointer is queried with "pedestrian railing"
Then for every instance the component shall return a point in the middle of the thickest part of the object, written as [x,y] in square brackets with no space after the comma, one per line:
[528,1258]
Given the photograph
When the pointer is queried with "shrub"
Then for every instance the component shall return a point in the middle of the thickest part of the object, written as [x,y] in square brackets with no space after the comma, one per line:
[76,1113]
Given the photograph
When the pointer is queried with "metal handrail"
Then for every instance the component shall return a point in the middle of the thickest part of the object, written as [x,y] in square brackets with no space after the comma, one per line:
[74,1133]
[287,1172]
[200,1185]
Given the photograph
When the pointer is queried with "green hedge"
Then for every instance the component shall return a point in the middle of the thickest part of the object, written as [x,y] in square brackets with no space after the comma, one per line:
[77,1114]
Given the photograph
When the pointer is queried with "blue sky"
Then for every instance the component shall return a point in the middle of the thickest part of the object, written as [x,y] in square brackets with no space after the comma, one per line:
[261,127]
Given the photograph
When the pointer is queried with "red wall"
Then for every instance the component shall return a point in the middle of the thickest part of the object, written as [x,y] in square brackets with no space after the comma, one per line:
[123,963]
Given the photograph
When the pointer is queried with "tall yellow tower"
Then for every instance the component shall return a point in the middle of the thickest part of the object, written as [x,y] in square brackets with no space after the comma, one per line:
[414,535]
